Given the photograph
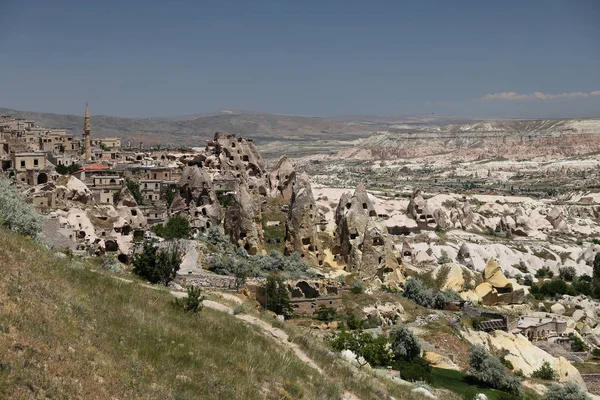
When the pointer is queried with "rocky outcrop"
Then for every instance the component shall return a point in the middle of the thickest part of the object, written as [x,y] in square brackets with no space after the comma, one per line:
[556,217]
[197,191]
[72,189]
[362,243]
[301,226]
[496,289]
[281,179]
[523,355]
[126,199]
[243,221]
[239,156]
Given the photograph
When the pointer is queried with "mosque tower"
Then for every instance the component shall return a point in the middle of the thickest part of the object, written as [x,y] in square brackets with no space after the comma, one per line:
[86,135]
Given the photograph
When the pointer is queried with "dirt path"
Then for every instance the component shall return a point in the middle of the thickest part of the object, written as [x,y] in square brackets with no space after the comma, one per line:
[277,334]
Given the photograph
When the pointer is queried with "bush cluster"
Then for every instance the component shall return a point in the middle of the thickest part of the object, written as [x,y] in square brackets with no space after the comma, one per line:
[15,213]
[238,262]
[177,227]
[401,351]
[569,391]
[158,265]
[544,372]
[193,302]
[276,296]
[490,371]
[416,291]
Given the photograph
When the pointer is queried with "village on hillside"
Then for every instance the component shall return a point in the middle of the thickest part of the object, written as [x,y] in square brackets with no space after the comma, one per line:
[444,264]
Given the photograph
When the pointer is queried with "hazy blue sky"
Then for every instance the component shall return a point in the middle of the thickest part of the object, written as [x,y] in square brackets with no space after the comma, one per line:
[326,57]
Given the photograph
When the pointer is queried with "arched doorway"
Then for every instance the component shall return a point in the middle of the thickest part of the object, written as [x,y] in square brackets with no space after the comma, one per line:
[42,178]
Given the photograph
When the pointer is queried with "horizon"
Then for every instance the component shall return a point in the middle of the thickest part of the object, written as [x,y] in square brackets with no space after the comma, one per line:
[512,60]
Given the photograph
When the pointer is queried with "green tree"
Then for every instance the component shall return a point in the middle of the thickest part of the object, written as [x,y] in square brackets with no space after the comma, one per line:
[404,344]
[192,303]
[490,371]
[177,227]
[169,195]
[158,265]
[276,296]
[67,170]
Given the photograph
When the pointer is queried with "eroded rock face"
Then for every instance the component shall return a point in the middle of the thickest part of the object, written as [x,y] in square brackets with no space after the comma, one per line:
[239,156]
[496,289]
[301,226]
[281,179]
[523,354]
[74,190]
[196,190]
[243,221]
[362,243]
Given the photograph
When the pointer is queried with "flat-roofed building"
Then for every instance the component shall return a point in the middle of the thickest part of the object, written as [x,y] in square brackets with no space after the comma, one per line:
[107,143]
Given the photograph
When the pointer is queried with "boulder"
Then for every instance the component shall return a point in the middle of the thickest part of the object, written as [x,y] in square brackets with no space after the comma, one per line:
[557,309]
[423,392]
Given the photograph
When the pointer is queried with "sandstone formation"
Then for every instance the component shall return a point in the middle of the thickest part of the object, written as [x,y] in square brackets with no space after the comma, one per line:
[301,226]
[361,242]
[243,222]
[496,288]
[281,179]
[240,157]
[196,188]
[524,355]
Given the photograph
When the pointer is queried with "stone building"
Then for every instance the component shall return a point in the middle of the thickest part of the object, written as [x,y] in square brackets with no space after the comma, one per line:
[540,328]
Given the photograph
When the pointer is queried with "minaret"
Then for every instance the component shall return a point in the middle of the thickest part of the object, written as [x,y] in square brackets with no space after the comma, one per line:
[86,135]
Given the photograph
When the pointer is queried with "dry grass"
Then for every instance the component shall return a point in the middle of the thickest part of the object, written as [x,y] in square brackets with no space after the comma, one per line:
[70,333]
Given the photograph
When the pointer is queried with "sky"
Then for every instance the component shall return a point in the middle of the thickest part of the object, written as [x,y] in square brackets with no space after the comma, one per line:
[149,58]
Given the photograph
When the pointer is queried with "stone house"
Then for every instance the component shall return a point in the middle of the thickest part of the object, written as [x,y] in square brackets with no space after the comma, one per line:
[540,328]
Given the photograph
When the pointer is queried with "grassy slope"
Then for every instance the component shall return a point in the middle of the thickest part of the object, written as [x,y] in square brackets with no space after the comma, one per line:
[70,333]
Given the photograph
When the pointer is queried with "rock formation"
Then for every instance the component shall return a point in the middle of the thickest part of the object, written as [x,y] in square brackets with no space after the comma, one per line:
[243,221]
[282,178]
[241,157]
[496,288]
[196,188]
[302,223]
[362,243]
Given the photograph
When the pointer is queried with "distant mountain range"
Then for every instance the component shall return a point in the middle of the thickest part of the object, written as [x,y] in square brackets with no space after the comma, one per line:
[194,130]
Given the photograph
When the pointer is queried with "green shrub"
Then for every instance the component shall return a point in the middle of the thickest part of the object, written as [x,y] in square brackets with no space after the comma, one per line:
[544,272]
[544,372]
[67,170]
[134,189]
[158,265]
[415,290]
[193,302]
[596,352]
[325,313]
[404,343]
[489,370]
[576,343]
[353,322]
[276,296]
[357,288]
[218,238]
[16,214]
[569,391]
[417,369]
[177,227]
[375,350]
[567,273]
